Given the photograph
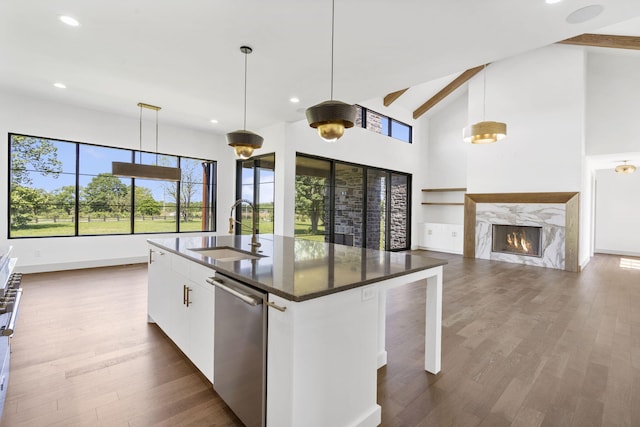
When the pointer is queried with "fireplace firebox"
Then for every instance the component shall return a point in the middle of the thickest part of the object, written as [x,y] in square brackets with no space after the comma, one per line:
[517,239]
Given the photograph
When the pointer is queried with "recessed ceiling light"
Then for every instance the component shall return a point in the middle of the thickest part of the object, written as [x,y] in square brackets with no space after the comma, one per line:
[294,100]
[60,85]
[72,22]
[213,121]
[585,14]
[552,1]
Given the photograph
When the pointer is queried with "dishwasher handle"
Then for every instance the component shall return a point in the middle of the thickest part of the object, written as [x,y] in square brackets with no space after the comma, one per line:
[244,298]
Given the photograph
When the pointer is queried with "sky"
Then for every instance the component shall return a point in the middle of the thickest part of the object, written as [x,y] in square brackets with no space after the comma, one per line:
[95,160]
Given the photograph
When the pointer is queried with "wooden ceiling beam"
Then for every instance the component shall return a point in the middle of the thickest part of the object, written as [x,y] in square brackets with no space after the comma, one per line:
[388,100]
[446,91]
[604,40]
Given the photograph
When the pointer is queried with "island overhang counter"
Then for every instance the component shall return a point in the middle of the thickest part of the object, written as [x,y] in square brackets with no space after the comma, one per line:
[324,349]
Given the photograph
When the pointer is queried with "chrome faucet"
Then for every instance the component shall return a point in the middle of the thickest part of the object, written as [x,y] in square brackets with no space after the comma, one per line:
[254,221]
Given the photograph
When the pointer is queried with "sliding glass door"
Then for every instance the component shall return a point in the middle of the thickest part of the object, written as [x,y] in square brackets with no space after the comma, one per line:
[255,183]
[351,204]
[313,199]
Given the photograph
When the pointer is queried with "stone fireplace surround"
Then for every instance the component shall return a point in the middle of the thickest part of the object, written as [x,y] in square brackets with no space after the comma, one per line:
[558,213]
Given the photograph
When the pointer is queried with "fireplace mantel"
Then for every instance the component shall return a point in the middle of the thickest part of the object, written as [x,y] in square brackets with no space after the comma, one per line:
[571,200]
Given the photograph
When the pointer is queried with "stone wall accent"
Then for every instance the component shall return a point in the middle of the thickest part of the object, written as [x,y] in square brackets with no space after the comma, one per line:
[399,210]
[348,204]
[376,208]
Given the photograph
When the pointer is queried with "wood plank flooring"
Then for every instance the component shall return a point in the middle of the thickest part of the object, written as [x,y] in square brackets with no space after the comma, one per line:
[522,346]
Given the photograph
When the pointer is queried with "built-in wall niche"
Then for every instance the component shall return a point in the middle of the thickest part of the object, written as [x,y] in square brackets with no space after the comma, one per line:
[556,213]
[444,196]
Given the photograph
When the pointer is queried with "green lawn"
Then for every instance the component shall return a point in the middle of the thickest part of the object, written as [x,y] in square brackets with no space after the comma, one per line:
[105,227]
[302,228]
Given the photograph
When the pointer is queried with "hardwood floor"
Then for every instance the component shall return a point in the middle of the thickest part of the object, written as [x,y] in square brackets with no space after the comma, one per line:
[522,346]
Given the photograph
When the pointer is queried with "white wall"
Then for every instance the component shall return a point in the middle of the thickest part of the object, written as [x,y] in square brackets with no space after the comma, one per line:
[617,213]
[540,95]
[613,89]
[53,120]
[446,165]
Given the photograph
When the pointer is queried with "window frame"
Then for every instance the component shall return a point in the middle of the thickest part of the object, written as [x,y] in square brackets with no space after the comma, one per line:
[211,190]
[389,124]
[255,196]
[389,173]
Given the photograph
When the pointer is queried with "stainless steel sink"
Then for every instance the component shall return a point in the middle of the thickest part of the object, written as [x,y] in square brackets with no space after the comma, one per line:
[226,253]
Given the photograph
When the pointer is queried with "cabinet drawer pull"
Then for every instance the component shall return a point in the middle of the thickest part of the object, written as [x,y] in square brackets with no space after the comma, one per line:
[187,296]
[151,251]
[274,305]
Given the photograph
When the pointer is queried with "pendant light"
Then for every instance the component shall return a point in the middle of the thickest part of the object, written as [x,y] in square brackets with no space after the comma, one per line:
[244,141]
[484,132]
[138,170]
[625,168]
[331,117]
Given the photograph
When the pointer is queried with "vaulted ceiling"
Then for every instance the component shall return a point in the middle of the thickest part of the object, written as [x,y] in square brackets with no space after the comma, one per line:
[184,55]
[608,41]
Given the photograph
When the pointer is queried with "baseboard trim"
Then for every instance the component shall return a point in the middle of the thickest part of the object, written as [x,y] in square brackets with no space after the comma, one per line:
[46,268]
[614,252]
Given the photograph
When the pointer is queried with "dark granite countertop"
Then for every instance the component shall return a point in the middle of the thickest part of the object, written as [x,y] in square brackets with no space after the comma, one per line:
[298,269]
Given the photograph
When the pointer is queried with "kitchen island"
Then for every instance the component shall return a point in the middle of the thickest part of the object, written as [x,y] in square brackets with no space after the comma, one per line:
[325,316]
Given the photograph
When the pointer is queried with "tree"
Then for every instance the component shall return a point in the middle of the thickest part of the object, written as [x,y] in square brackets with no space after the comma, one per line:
[189,185]
[26,204]
[145,203]
[310,198]
[35,154]
[106,193]
[64,199]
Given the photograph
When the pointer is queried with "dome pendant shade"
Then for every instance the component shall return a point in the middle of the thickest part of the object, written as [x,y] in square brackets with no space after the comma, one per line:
[244,142]
[625,168]
[331,118]
[485,132]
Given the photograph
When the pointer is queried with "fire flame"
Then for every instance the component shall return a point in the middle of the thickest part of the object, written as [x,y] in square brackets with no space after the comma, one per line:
[519,242]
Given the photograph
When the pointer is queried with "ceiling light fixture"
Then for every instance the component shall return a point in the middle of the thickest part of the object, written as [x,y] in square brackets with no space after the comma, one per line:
[625,168]
[484,132]
[244,141]
[214,121]
[331,117]
[60,85]
[72,22]
[138,170]
[294,100]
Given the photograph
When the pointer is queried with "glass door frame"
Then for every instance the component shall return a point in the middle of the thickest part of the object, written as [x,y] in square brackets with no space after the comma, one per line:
[365,169]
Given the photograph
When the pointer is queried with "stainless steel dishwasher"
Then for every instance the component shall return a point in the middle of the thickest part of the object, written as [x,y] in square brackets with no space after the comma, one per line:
[240,349]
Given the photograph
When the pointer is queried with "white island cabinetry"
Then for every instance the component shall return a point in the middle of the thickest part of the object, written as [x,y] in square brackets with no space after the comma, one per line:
[181,303]
[325,320]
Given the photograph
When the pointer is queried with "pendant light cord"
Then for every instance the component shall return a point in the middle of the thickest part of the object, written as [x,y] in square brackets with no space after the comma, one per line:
[333,18]
[140,151]
[484,92]
[244,126]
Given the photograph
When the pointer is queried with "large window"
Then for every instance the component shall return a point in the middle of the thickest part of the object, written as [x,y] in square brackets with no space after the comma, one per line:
[352,204]
[62,188]
[255,183]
